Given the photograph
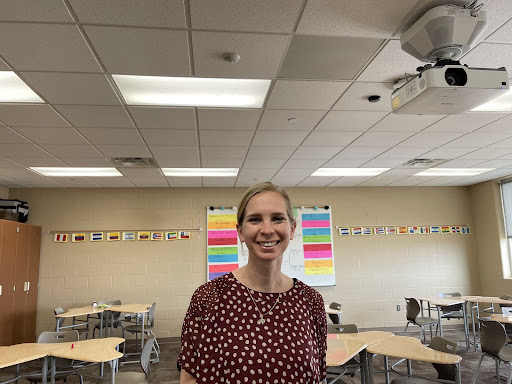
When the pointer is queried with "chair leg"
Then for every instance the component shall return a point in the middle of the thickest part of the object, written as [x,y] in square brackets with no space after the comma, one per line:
[497,364]
[477,369]
[422,334]
[405,330]
[509,379]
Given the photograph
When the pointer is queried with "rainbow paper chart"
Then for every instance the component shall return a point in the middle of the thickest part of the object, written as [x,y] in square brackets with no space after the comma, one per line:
[317,243]
[222,243]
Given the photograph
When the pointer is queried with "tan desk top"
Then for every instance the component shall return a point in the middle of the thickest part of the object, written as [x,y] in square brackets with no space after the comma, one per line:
[21,353]
[82,311]
[341,351]
[94,350]
[369,338]
[443,300]
[490,300]
[411,348]
[505,319]
[130,308]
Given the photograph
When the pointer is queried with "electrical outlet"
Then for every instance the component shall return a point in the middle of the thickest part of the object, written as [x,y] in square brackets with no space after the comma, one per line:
[398,307]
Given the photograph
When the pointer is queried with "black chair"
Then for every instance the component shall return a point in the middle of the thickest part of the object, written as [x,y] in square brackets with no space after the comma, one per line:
[138,377]
[335,318]
[352,366]
[413,317]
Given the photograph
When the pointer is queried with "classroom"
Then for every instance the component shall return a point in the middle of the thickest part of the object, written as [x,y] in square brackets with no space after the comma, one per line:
[315,64]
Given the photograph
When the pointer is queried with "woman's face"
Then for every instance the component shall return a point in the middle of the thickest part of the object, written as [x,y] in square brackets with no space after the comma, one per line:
[266,228]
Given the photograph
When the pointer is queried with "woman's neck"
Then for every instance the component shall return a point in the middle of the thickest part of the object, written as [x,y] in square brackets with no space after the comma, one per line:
[263,278]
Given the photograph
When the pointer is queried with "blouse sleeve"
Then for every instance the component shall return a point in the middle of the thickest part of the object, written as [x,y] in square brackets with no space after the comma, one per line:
[321,334]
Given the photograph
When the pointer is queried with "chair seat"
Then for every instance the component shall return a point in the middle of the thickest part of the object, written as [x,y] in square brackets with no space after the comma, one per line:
[410,380]
[117,323]
[505,353]
[131,378]
[138,328]
[349,368]
[425,320]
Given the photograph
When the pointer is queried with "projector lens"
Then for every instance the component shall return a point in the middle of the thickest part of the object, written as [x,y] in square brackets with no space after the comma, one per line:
[456,77]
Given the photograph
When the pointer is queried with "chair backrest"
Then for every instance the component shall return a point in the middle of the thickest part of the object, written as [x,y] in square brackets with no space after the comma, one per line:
[60,320]
[145,357]
[506,297]
[412,308]
[115,315]
[449,308]
[444,371]
[342,328]
[493,337]
[151,314]
[448,294]
[334,305]
[58,337]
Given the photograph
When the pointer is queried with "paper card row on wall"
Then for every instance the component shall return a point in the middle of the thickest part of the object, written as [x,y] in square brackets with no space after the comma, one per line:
[404,230]
[124,236]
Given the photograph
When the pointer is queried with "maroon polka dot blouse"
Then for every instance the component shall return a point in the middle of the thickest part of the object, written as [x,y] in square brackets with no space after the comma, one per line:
[223,342]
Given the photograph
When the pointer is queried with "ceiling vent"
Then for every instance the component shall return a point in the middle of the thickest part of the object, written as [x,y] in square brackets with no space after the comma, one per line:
[135,162]
[422,163]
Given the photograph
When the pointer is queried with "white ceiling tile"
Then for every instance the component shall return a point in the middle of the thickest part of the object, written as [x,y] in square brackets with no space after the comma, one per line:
[371,18]
[293,120]
[9,136]
[291,177]
[487,55]
[88,116]
[356,98]
[496,163]
[379,139]
[288,94]
[260,54]
[317,181]
[27,10]
[135,51]
[279,138]
[498,11]
[46,47]
[465,122]
[487,153]
[4,66]
[320,153]
[29,150]
[344,163]
[78,150]
[390,64]
[47,135]
[150,13]
[6,163]
[162,117]
[460,163]
[263,163]
[184,182]
[329,139]
[121,136]
[503,34]
[384,163]
[413,181]
[245,15]
[478,139]
[223,152]
[228,119]
[112,182]
[360,152]
[222,163]
[349,181]
[313,164]
[247,177]
[406,153]
[145,177]
[79,182]
[503,125]
[270,152]
[173,156]
[429,139]
[506,144]
[61,88]
[219,182]
[407,123]
[30,116]
[225,138]
[74,161]
[388,177]
[505,172]
[115,150]
[349,120]
[169,137]
[38,161]
[445,152]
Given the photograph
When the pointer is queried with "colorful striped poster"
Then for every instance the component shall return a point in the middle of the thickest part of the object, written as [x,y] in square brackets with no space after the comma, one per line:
[222,242]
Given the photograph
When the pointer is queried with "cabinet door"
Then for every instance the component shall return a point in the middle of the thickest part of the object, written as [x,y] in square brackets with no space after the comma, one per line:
[7,261]
[33,284]
[20,283]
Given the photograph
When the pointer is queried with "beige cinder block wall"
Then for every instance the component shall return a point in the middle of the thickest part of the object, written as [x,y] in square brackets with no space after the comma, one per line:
[4,193]
[489,232]
[373,273]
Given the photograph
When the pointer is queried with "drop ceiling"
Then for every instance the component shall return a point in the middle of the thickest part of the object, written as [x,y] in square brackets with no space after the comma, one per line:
[324,57]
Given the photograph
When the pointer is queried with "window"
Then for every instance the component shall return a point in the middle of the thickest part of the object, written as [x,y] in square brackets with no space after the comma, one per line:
[506,198]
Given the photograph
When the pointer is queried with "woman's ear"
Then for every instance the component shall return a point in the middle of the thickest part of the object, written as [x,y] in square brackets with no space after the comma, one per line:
[239,231]
[292,233]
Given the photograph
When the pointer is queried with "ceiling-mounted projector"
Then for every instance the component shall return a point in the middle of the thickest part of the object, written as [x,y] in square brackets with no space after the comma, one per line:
[442,35]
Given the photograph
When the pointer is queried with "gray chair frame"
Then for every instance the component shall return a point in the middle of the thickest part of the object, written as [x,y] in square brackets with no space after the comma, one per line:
[139,377]
[148,329]
[60,322]
[413,317]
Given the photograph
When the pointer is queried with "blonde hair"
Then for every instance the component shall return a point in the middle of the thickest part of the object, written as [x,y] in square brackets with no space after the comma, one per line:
[259,188]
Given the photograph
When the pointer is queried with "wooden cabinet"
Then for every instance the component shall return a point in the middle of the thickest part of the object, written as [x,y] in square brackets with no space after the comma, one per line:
[20,246]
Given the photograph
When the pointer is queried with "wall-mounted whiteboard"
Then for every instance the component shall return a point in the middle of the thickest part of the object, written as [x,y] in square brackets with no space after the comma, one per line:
[309,257]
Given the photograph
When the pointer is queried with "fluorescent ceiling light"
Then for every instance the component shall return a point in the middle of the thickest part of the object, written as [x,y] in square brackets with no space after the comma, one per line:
[192,91]
[206,172]
[454,171]
[76,172]
[14,90]
[349,171]
[499,104]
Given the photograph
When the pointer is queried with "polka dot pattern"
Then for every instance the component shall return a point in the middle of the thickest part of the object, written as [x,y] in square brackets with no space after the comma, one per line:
[221,341]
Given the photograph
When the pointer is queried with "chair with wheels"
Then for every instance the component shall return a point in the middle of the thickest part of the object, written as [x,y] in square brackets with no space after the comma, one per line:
[60,321]
[413,317]
[493,339]
[138,377]
[148,329]
[444,371]
[353,365]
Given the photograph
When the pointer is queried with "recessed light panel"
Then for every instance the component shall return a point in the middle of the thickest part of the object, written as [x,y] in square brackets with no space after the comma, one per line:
[14,90]
[192,91]
[205,172]
[499,104]
[349,171]
[76,172]
[454,171]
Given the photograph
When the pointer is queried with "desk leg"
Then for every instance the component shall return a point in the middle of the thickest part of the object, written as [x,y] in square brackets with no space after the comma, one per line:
[471,305]
[53,369]
[113,371]
[466,324]
[409,367]
[142,333]
[369,362]
[439,318]
[44,371]
[386,367]
[364,369]
[101,325]
[457,373]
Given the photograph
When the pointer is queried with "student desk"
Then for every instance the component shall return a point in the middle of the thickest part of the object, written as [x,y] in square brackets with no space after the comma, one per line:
[500,318]
[132,309]
[336,312]
[340,352]
[82,311]
[409,348]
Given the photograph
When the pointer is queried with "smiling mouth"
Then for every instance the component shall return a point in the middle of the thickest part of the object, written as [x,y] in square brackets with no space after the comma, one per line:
[268,243]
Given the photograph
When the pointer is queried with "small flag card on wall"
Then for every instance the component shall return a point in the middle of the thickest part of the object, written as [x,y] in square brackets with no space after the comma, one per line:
[143,235]
[379,231]
[171,236]
[60,238]
[401,230]
[78,237]
[184,236]
[465,230]
[128,236]
[344,231]
[157,236]
[445,229]
[455,229]
[356,231]
[365,231]
[390,230]
[412,230]
[435,229]
[113,236]
[423,230]
[96,236]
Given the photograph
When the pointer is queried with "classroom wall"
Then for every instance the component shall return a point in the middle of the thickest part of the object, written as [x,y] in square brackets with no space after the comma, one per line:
[4,192]
[489,232]
[373,273]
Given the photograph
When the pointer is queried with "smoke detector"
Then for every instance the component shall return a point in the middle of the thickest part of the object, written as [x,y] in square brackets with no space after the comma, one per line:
[135,162]
[422,163]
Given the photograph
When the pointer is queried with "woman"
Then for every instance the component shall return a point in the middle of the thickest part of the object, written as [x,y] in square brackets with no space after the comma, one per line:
[256,325]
